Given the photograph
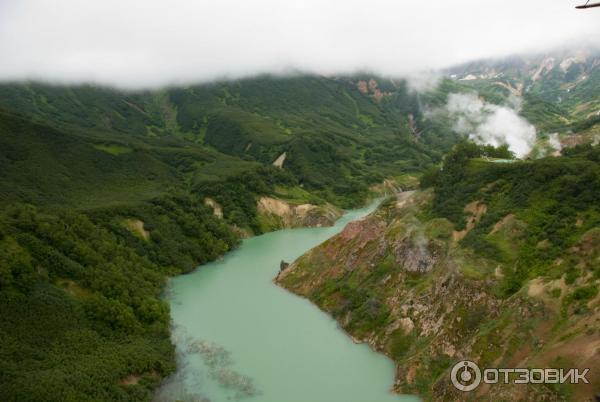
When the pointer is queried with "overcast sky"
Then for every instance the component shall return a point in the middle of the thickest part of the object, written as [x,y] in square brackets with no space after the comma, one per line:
[153,43]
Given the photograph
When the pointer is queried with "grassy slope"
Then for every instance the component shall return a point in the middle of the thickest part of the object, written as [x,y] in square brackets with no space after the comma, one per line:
[518,288]
[44,166]
[324,125]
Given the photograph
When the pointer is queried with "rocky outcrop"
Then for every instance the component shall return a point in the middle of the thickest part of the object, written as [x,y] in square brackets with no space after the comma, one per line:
[279,214]
[475,210]
[217,209]
[414,254]
[371,88]
[280,160]
[136,226]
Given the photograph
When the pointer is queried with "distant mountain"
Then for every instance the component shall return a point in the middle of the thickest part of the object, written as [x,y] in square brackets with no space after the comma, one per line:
[559,90]
[570,67]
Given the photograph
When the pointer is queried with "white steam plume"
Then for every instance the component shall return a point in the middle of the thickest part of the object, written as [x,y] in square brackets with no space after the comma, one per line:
[490,124]
[554,142]
[423,81]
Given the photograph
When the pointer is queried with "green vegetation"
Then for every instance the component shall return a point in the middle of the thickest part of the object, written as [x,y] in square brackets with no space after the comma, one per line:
[338,140]
[237,195]
[555,97]
[113,149]
[554,202]
[497,262]
[400,344]
[80,307]
[103,197]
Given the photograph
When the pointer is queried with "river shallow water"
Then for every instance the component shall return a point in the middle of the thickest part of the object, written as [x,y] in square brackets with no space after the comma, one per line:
[240,337]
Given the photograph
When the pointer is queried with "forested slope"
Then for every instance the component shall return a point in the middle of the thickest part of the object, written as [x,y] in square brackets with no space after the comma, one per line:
[103,195]
[493,262]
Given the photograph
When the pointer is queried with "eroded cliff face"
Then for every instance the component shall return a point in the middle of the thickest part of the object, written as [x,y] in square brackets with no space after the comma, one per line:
[280,214]
[400,281]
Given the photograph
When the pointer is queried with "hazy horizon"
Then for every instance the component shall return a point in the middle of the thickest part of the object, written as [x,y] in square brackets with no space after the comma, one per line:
[137,45]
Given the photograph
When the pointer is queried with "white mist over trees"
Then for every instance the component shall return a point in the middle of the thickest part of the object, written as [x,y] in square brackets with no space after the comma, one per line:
[490,124]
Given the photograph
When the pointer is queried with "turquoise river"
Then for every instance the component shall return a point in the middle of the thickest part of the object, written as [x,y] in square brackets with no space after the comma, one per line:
[240,337]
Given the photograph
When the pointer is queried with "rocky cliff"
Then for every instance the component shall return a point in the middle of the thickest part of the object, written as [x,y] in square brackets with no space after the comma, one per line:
[401,281]
[280,214]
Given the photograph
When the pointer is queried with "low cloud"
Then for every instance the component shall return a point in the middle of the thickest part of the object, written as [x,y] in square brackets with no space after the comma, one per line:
[150,43]
[424,81]
[490,124]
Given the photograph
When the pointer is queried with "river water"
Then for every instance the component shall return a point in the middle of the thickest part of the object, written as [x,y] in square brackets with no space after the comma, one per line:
[240,337]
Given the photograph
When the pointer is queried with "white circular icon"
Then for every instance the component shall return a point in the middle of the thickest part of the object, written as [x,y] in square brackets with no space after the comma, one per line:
[465,376]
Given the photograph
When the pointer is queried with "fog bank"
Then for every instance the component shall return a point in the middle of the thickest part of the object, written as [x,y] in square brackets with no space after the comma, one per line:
[151,43]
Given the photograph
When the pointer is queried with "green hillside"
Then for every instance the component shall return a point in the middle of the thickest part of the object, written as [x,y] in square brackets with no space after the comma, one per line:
[323,125]
[493,262]
[45,166]
[106,193]
[103,197]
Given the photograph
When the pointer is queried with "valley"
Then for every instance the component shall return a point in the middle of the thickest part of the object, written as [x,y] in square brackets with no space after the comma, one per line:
[239,336]
[475,265]
[105,194]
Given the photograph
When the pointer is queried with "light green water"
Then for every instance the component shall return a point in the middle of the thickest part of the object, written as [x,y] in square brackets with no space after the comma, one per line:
[240,337]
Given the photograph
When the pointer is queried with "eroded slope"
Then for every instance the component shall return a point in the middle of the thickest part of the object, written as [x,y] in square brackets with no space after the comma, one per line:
[495,284]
